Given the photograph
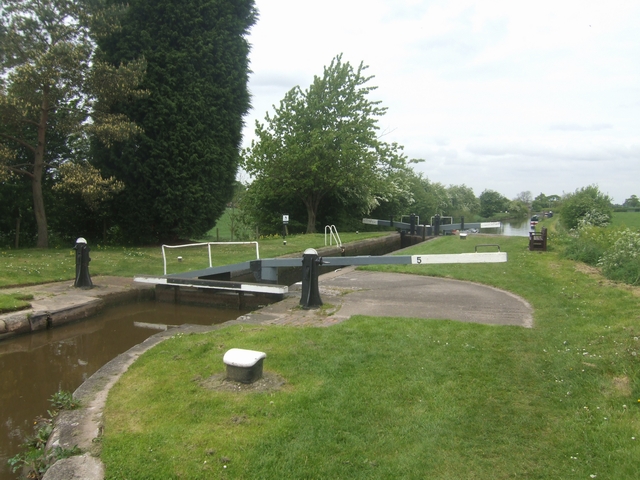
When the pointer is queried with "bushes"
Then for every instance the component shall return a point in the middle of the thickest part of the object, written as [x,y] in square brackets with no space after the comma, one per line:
[615,250]
[622,261]
[587,244]
[587,201]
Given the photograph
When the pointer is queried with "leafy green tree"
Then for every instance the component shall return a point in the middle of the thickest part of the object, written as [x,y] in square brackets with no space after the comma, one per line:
[322,142]
[544,202]
[492,202]
[585,201]
[179,173]
[50,84]
[463,201]
[632,201]
[518,209]
[524,197]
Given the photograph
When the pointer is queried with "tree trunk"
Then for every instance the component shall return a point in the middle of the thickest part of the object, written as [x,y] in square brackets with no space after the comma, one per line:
[312,208]
[18,230]
[38,173]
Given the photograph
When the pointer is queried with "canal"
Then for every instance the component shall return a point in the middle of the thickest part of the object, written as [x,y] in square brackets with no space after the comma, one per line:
[511,228]
[33,367]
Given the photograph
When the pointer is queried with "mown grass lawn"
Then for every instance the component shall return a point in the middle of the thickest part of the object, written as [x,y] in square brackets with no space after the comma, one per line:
[33,266]
[402,398]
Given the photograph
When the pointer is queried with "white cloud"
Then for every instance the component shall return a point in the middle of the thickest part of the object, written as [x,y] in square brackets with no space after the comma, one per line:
[494,94]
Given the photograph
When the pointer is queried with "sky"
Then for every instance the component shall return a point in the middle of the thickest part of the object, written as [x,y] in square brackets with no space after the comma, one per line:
[509,96]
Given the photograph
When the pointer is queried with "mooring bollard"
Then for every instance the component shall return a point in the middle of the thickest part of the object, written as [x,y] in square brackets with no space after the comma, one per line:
[244,366]
[83,279]
[310,271]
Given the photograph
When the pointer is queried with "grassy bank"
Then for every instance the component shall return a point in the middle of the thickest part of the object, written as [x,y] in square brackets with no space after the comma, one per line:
[33,266]
[402,398]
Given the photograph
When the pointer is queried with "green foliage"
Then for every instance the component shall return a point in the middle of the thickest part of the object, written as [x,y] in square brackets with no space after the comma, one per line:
[621,262]
[463,201]
[63,400]
[33,458]
[543,202]
[518,209]
[179,174]
[322,142]
[632,201]
[36,459]
[586,200]
[587,243]
[491,202]
[51,85]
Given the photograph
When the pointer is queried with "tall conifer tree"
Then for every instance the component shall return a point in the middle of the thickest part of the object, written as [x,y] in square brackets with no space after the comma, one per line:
[179,173]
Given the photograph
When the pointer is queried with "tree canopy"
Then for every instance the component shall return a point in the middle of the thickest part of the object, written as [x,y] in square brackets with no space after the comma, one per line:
[585,201]
[323,142]
[492,202]
[632,201]
[50,85]
[179,172]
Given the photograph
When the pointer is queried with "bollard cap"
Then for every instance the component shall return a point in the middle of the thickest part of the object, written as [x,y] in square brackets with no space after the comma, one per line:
[81,240]
[310,251]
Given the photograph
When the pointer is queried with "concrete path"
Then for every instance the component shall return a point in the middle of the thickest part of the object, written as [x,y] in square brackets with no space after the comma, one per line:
[58,303]
[348,292]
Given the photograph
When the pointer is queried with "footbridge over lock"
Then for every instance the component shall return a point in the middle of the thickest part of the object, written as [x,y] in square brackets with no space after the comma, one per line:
[265,272]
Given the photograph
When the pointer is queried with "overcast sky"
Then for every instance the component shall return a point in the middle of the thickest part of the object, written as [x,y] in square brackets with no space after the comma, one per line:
[509,95]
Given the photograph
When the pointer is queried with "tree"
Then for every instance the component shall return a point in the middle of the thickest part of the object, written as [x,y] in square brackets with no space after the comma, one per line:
[463,200]
[632,201]
[491,202]
[525,197]
[585,201]
[179,173]
[323,142]
[544,202]
[51,83]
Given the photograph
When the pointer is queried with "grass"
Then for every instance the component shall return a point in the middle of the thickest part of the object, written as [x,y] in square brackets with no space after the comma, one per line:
[14,301]
[402,398]
[222,230]
[626,219]
[34,266]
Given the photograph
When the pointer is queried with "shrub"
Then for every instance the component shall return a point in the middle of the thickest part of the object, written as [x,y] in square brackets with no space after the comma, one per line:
[622,261]
[585,201]
[588,243]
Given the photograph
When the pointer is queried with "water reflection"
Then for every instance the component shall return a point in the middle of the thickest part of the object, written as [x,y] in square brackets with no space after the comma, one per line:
[511,228]
[33,367]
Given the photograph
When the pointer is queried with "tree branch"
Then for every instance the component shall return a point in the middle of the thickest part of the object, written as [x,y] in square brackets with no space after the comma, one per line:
[19,171]
[17,140]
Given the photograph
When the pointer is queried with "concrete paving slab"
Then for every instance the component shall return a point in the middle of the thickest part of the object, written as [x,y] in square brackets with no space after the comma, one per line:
[349,292]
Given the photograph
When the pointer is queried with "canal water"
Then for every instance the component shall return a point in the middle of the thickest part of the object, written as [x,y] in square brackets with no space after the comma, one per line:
[33,367]
[511,228]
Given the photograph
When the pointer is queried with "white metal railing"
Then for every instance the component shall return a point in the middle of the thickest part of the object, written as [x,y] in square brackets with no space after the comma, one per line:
[208,244]
[332,232]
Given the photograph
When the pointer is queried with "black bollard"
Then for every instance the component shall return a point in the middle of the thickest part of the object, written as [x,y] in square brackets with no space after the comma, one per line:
[83,279]
[436,224]
[310,270]
[461,223]
[412,224]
